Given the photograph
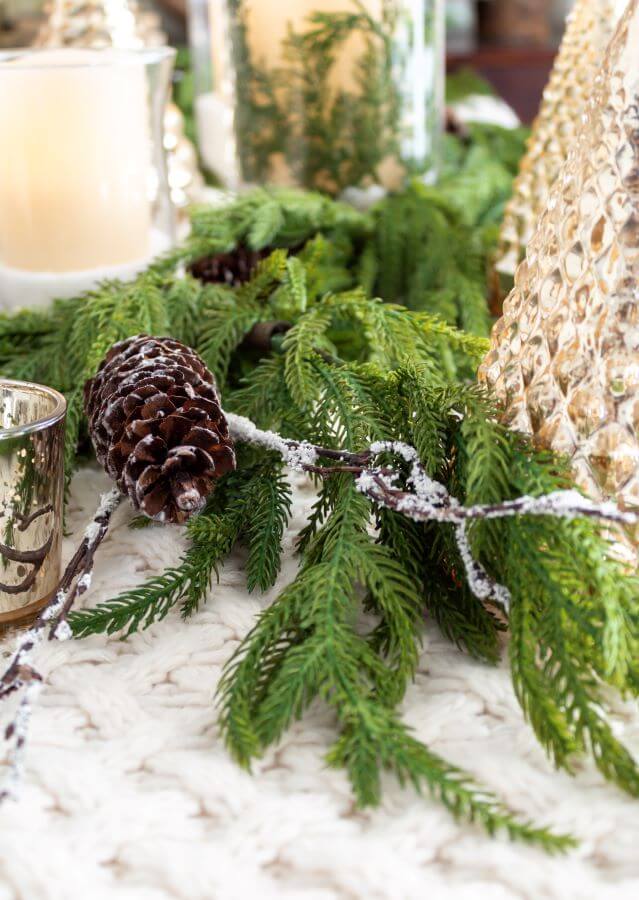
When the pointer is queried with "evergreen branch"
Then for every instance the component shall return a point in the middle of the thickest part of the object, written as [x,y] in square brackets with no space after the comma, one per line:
[560,578]
[396,598]
[414,763]
[299,346]
[270,511]
[222,329]
[139,607]
[250,668]
[213,536]
[263,396]
[254,502]
[304,645]
[563,732]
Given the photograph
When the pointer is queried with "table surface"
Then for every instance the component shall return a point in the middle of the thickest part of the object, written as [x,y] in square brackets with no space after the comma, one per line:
[130,793]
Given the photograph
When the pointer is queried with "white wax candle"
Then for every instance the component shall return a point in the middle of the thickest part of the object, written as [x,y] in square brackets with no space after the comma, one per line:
[214,118]
[75,162]
[21,289]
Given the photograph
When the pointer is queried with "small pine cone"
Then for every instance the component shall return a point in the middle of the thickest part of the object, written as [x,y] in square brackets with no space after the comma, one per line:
[233,268]
[157,426]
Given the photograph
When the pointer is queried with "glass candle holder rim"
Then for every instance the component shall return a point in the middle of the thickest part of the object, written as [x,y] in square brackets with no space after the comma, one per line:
[92,57]
[51,418]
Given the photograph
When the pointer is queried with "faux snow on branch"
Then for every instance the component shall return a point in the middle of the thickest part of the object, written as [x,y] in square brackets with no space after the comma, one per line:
[427,500]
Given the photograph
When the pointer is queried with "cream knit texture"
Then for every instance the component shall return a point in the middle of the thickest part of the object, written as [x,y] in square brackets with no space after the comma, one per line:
[129,793]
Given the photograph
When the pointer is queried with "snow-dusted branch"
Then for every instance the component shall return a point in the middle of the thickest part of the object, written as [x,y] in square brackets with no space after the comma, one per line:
[415,495]
[21,672]
[426,500]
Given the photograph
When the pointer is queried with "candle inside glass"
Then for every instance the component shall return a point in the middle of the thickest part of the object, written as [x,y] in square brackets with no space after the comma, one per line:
[322,94]
[83,190]
[75,162]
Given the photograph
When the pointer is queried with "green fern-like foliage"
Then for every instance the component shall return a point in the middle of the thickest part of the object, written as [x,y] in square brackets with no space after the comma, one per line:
[386,382]
[426,258]
[267,217]
[574,616]
[251,505]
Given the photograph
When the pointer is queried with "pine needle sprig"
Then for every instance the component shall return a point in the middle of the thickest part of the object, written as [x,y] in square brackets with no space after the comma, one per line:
[212,535]
[553,570]
[270,503]
[223,328]
[377,741]
[263,395]
[252,504]
[470,625]
[187,583]
[271,217]
[305,645]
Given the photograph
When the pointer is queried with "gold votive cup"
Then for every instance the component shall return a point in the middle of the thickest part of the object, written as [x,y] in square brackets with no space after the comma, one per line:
[32,420]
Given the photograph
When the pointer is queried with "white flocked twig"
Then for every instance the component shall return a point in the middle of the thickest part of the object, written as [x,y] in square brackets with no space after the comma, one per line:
[21,672]
[427,500]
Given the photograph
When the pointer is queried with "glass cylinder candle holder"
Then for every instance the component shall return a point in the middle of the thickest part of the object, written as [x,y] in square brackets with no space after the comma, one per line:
[84,193]
[32,421]
[321,94]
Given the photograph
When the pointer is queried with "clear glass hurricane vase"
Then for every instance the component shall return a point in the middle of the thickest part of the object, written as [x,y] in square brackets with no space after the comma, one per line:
[322,94]
[83,185]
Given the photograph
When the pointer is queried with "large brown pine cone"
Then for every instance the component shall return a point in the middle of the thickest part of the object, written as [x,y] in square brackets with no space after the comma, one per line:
[157,426]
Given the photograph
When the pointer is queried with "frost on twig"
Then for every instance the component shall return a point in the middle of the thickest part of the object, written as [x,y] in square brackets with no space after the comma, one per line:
[424,499]
[21,672]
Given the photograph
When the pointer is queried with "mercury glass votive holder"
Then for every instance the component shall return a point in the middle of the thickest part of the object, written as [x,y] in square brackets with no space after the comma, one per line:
[84,193]
[32,421]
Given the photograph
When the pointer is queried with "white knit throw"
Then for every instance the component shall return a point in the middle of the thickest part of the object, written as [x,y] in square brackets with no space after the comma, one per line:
[130,795]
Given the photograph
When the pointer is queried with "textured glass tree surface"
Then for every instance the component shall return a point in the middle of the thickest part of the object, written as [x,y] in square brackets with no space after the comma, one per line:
[565,354]
[589,30]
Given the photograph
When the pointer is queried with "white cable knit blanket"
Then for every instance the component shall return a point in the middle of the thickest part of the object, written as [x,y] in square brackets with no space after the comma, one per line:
[130,795]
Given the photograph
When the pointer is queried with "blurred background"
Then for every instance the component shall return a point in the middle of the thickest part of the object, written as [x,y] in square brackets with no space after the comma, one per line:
[510,43]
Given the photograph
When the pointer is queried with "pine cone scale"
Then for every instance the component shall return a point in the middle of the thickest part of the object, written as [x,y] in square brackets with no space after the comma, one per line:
[157,426]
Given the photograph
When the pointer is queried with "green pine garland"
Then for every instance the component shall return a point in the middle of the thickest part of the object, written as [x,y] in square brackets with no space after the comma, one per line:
[351,370]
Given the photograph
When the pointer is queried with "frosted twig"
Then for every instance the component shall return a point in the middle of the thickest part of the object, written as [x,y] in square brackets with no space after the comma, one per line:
[52,623]
[427,500]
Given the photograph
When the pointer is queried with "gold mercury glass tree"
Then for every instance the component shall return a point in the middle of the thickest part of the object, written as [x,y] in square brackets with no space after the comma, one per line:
[589,30]
[565,355]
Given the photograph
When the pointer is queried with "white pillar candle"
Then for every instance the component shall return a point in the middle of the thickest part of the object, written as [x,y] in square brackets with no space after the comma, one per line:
[75,167]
